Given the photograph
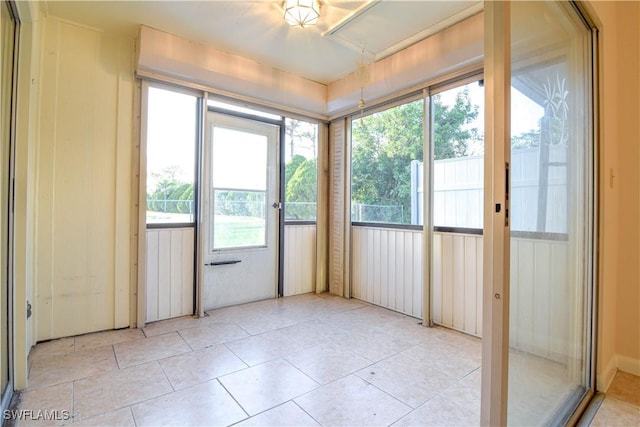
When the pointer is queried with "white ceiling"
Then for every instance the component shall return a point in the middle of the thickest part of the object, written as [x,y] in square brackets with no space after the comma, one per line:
[255,29]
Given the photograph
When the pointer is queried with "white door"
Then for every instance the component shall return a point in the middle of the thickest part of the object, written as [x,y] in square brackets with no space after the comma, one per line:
[241,211]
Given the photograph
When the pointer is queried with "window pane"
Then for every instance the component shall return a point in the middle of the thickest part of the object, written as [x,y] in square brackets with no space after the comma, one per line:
[239,187]
[301,170]
[386,153]
[171,139]
[239,219]
[233,168]
[458,169]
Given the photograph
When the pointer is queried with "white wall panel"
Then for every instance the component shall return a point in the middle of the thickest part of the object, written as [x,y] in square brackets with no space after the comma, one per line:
[539,282]
[83,181]
[169,273]
[457,281]
[538,274]
[387,268]
[299,259]
[457,287]
[479,296]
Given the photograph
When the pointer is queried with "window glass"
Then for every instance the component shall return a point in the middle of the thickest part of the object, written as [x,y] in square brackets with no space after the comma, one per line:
[458,149]
[539,149]
[171,139]
[552,245]
[239,188]
[244,110]
[386,158]
[301,175]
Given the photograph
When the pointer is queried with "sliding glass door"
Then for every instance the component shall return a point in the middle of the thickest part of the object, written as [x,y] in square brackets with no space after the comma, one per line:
[539,214]
[551,216]
[551,278]
[8,27]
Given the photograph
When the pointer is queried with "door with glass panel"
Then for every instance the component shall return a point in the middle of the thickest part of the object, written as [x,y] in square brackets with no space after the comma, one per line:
[551,215]
[241,211]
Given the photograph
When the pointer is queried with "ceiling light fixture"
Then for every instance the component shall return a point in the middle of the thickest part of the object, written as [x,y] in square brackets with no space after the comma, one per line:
[301,13]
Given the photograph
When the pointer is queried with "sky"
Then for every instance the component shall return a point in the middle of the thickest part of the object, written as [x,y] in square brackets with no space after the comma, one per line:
[525,113]
[171,134]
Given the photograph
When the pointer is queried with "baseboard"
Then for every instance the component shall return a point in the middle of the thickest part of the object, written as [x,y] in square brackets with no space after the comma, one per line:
[616,363]
[605,378]
[628,364]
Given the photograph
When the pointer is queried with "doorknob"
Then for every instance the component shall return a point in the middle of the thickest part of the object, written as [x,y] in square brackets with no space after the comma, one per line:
[276,205]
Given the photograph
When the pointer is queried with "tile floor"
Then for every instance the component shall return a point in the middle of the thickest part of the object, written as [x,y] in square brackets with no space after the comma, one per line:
[304,360]
[298,361]
[621,405]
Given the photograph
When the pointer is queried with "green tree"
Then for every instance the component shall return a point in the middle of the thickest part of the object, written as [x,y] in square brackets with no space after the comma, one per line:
[291,168]
[300,181]
[526,139]
[240,203]
[170,194]
[302,190]
[385,143]
[451,131]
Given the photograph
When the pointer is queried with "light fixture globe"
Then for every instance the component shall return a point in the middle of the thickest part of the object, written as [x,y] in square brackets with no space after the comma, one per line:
[301,13]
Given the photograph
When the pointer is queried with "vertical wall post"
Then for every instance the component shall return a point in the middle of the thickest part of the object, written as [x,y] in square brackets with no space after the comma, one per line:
[427,208]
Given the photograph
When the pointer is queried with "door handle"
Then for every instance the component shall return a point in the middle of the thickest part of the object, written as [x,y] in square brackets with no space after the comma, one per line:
[235,261]
[276,205]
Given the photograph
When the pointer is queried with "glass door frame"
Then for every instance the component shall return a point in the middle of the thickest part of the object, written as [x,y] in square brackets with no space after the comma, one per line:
[6,394]
[496,275]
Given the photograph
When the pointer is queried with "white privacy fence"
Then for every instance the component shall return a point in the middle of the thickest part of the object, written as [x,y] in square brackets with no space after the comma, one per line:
[458,191]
